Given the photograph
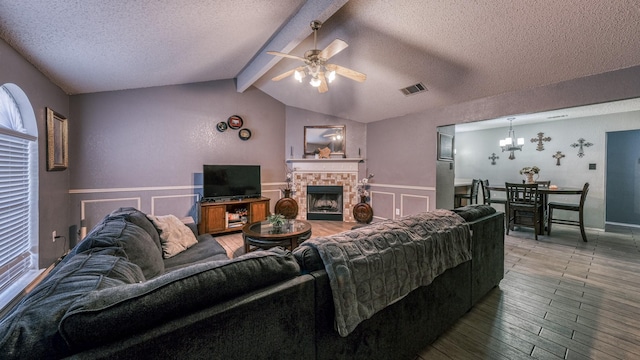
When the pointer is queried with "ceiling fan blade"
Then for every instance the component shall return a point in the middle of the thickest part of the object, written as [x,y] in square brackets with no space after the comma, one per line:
[335,47]
[276,53]
[348,73]
[323,84]
[288,73]
[283,75]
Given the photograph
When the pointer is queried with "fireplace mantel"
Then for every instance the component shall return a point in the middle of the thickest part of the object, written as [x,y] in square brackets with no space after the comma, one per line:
[325,165]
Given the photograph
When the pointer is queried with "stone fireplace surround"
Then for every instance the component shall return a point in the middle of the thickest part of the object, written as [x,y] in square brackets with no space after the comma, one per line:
[338,172]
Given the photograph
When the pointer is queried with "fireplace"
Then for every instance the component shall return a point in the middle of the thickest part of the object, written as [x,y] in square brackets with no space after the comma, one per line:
[324,202]
[338,172]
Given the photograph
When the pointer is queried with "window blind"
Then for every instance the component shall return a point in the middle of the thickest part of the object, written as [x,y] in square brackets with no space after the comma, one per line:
[15,256]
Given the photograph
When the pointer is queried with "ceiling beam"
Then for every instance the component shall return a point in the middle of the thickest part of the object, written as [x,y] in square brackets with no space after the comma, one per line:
[289,36]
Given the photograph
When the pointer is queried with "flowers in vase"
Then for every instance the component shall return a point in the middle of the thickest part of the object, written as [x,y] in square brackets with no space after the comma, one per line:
[363,186]
[288,180]
[529,170]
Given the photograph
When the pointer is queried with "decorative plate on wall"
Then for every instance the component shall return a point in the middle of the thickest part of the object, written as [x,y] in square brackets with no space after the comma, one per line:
[235,122]
[221,126]
[244,134]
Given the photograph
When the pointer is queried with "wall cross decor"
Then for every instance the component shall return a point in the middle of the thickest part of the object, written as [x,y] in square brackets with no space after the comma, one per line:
[559,155]
[581,143]
[493,158]
[539,140]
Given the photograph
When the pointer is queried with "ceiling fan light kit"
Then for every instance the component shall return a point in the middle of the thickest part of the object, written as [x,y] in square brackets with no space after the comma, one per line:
[316,66]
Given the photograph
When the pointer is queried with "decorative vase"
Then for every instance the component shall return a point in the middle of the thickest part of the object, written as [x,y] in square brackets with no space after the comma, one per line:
[287,206]
[362,212]
[530,179]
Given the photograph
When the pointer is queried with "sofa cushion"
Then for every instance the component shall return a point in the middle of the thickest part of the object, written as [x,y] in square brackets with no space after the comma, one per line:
[30,331]
[91,320]
[175,236]
[135,243]
[207,249]
[474,212]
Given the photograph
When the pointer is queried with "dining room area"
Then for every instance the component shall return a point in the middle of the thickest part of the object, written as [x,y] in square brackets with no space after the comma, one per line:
[582,163]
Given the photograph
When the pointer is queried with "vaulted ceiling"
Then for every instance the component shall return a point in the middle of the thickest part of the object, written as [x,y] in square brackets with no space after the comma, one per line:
[460,50]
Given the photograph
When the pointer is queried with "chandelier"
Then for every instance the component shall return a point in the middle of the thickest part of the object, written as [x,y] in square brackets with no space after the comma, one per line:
[510,143]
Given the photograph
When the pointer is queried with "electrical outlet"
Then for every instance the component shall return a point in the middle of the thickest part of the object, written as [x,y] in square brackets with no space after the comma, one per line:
[54,234]
[397,211]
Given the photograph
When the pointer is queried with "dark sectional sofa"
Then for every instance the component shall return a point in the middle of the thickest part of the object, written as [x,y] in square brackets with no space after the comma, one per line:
[114,296]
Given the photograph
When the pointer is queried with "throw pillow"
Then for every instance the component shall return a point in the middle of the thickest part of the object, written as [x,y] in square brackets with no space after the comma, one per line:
[175,236]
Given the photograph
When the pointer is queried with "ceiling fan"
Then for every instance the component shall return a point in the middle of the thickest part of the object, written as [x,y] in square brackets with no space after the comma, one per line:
[316,63]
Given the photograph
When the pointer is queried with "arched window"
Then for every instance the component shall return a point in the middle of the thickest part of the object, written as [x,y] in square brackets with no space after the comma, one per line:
[18,192]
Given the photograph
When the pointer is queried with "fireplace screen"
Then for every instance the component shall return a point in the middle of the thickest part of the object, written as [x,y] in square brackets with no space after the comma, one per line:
[324,203]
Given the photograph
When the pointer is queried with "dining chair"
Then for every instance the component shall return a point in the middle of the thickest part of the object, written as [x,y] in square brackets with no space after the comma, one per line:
[569,207]
[524,206]
[471,196]
[486,195]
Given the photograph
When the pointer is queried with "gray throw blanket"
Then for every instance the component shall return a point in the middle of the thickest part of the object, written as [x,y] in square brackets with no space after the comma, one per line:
[377,265]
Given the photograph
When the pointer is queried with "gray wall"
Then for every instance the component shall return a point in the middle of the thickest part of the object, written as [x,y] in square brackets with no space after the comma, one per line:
[146,147]
[53,186]
[402,154]
[402,151]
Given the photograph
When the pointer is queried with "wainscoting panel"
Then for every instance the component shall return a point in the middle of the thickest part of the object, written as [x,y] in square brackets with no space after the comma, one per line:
[274,195]
[383,204]
[175,205]
[413,204]
[92,211]
[406,199]
[90,206]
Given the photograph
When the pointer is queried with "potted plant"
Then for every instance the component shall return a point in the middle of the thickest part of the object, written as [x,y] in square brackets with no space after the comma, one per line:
[276,220]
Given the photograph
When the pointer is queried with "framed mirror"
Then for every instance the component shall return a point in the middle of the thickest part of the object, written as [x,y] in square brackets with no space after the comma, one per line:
[333,137]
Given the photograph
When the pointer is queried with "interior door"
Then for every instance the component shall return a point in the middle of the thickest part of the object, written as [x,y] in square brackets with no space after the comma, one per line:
[445,175]
[622,191]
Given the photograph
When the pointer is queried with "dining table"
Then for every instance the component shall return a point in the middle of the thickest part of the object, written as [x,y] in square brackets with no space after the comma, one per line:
[545,192]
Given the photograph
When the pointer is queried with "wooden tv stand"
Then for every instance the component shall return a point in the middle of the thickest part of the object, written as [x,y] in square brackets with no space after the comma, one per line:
[213,215]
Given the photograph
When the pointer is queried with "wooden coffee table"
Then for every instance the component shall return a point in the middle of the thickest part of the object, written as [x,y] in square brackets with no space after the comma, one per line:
[262,235]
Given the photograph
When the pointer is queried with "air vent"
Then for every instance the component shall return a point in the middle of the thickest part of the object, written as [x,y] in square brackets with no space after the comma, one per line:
[413,89]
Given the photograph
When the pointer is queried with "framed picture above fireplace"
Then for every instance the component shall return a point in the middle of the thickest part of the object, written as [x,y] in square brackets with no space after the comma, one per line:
[333,137]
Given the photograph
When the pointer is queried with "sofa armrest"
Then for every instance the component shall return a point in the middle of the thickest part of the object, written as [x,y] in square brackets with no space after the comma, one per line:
[487,246]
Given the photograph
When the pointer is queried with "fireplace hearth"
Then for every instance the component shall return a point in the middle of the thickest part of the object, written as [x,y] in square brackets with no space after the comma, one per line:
[324,202]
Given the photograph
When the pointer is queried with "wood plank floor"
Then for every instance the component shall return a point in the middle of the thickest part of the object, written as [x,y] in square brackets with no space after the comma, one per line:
[561,298]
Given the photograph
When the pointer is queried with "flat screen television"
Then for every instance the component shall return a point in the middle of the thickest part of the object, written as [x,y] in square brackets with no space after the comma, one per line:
[231,181]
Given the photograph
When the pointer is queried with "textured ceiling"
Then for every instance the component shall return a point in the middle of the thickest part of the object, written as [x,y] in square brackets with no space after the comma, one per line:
[461,50]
